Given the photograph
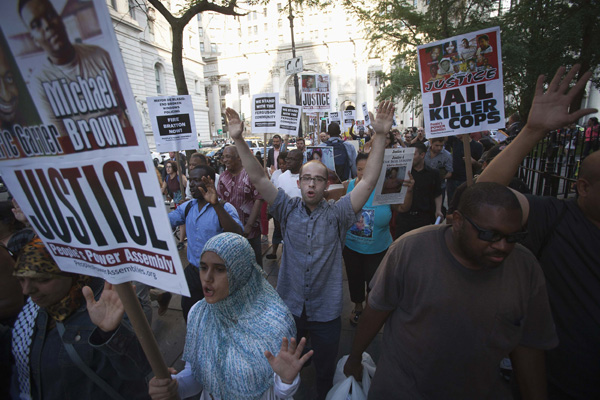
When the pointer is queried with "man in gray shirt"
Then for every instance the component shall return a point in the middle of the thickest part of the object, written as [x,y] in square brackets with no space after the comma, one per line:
[310,276]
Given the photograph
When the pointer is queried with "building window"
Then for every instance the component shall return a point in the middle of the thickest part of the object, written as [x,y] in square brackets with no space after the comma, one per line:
[202,47]
[279,23]
[254,15]
[213,47]
[255,29]
[206,95]
[223,90]
[159,77]
[151,26]
[249,17]
[266,27]
[265,11]
[278,7]
[113,3]
[249,31]
[201,32]
[196,86]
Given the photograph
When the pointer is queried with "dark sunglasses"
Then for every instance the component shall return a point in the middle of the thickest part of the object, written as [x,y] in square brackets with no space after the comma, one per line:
[491,236]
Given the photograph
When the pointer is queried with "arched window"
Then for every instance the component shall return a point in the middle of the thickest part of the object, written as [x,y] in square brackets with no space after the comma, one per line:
[159,77]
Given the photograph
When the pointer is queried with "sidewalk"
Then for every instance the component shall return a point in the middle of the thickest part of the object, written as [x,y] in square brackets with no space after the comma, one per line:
[170,328]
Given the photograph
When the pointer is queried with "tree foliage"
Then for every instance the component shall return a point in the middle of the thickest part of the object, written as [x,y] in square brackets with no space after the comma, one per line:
[537,37]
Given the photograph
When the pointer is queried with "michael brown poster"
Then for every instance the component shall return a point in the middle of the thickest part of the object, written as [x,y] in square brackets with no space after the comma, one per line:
[73,151]
[461,84]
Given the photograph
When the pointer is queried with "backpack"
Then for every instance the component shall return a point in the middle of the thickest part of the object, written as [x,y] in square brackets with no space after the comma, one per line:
[340,158]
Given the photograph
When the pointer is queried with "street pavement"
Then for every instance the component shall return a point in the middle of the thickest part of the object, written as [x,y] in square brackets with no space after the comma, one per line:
[169,329]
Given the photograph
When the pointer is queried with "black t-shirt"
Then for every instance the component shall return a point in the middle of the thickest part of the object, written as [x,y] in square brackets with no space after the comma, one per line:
[458,152]
[570,260]
[427,187]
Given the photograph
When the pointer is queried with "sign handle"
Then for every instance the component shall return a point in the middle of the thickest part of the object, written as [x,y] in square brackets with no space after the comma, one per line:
[467,151]
[180,173]
[142,329]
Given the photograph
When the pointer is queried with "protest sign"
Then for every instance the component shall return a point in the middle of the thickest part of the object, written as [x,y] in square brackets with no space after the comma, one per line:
[365,111]
[321,153]
[173,123]
[335,116]
[288,119]
[461,84]
[264,113]
[73,153]
[396,165]
[315,92]
[349,118]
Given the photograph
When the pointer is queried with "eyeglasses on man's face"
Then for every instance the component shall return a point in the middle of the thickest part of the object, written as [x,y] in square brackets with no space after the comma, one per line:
[315,179]
[492,236]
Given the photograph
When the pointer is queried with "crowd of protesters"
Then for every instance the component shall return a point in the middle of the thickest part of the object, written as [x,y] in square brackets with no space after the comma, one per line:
[509,275]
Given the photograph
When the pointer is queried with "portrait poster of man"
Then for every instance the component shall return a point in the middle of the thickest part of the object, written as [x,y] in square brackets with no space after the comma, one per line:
[73,151]
[461,83]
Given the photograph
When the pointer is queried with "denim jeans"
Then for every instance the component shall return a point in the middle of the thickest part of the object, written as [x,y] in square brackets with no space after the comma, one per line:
[324,340]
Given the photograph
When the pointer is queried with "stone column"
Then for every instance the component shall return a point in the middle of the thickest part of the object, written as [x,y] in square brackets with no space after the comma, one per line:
[275,80]
[235,93]
[361,86]
[215,107]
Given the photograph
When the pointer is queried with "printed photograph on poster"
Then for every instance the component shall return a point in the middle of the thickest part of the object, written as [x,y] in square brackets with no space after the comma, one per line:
[315,92]
[396,165]
[173,124]
[69,153]
[461,84]
[349,118]
[76,78]
[288,119]
[321,153]
[264,113]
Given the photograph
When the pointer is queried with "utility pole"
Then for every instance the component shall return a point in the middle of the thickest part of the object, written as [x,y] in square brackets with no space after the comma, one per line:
[296,85]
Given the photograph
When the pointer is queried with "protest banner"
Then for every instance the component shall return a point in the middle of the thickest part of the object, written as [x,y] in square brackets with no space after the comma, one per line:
[349,118]
[461,84]
[316,94]
[288,119]
[396,165]
[74,156]
[173,123]
[264,113]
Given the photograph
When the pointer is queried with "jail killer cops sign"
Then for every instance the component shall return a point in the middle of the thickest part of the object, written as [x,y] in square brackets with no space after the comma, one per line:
[73,151]
[461,84]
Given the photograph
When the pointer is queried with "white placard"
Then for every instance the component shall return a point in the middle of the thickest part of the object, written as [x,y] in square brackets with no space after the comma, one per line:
[461,84]
[315,92]
[264,113]
[335,116]
[289,119]
[365,111]
[396,165]
[75,157]
[173,123]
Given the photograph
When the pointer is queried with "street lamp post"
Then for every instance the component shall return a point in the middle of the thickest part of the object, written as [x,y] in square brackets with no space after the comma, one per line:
[296,85]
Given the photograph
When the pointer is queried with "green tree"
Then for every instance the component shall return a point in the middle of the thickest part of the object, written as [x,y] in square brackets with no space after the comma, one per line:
[537,37]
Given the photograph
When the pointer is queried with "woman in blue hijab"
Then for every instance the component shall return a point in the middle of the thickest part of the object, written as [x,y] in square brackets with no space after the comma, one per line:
[234,332]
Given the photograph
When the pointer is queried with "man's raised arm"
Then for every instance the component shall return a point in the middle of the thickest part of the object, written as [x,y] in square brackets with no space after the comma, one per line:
[250,163]
[382,125]
[549,111]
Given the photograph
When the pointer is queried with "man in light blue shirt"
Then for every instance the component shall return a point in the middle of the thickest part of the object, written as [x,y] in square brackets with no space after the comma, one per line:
[205,217]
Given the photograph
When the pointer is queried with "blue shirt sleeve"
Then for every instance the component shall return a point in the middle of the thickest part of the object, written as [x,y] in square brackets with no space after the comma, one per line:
[234,214]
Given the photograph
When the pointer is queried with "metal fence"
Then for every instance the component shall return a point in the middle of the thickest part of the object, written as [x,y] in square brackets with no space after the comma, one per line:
[551,168]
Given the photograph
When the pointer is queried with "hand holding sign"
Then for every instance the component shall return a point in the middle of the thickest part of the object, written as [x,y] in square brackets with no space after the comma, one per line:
[385,116]
[236,126]
[550,110]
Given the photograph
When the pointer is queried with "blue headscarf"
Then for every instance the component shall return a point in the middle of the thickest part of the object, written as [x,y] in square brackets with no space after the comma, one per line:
[226,341]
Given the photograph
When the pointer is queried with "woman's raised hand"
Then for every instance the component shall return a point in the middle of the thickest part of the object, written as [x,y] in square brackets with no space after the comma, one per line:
[288,362]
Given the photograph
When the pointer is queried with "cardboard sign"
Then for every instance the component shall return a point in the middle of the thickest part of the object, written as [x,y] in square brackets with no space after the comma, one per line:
[73,151]
[394,171]
[316,94]
[173,123]
[264,113]
[461,84]
[288,119]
